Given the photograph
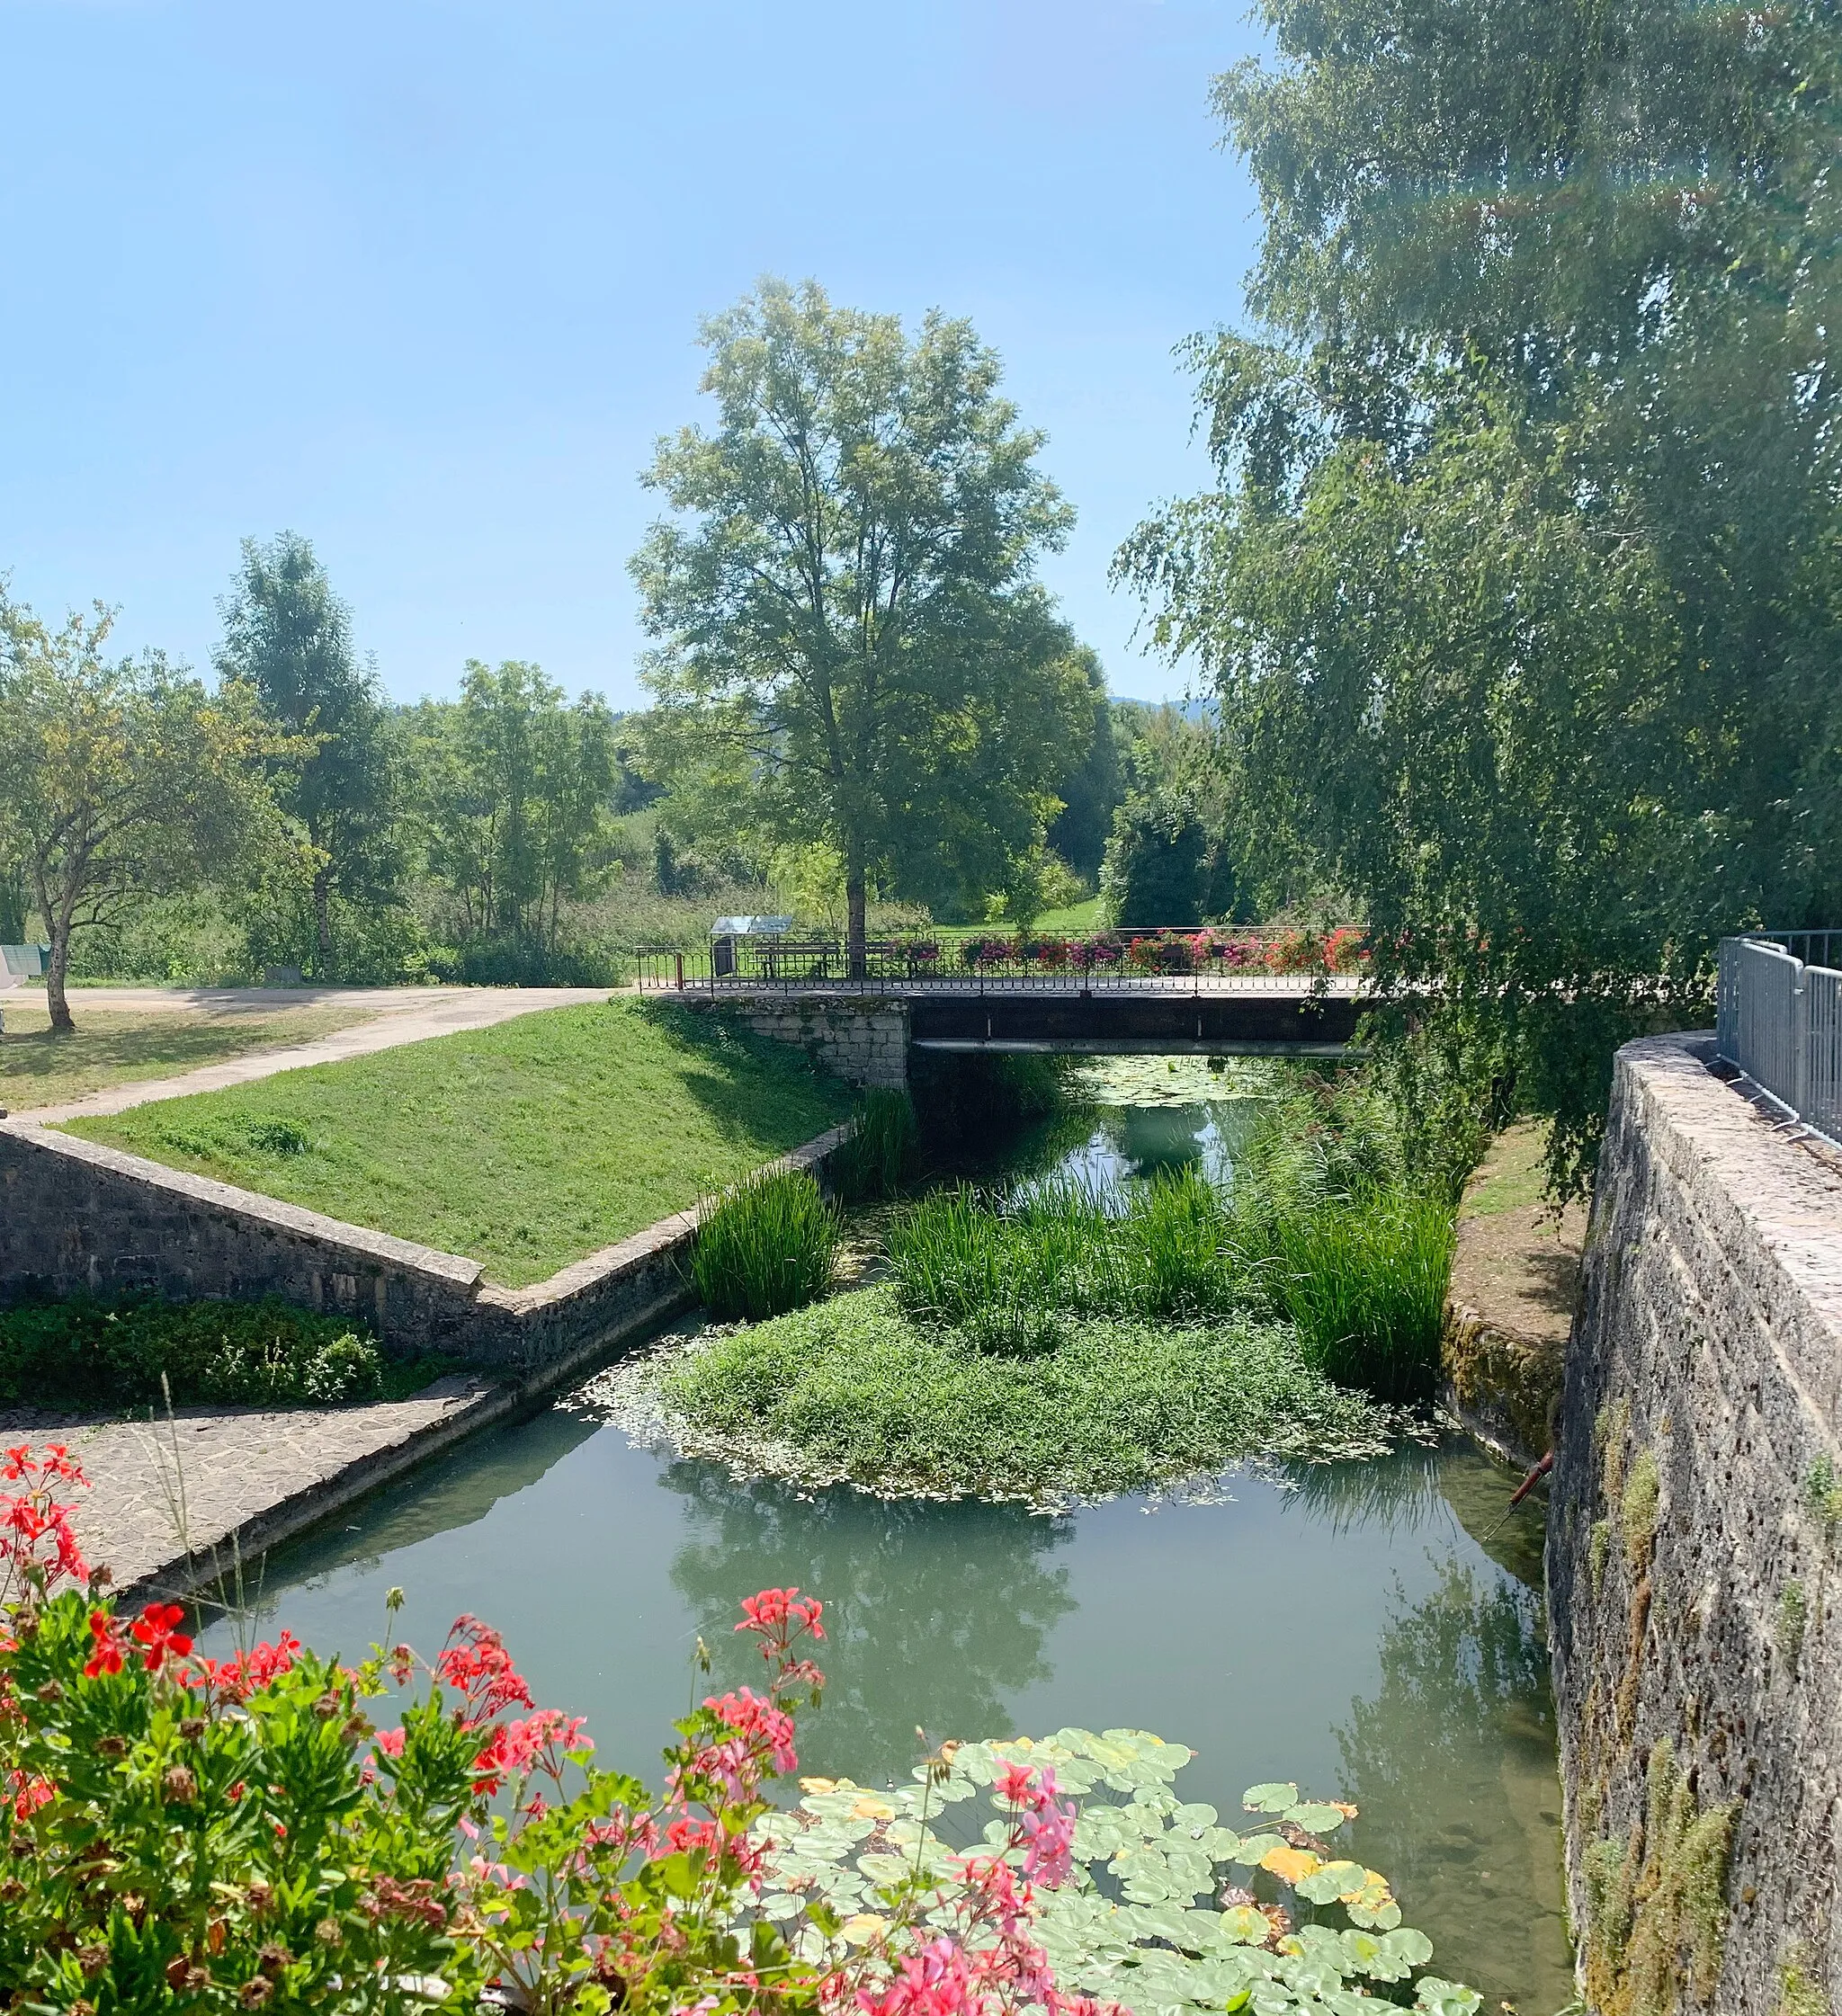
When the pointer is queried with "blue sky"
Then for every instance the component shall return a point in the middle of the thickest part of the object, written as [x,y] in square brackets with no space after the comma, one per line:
[421,281]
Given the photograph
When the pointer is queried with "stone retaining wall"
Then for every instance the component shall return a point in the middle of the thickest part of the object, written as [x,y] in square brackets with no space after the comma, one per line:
[75,1216]
[1694,1527]
[861,1038]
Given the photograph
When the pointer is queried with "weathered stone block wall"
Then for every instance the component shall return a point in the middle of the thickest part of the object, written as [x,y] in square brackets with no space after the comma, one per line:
[77,1216]
[1693,1556]
[861,1038]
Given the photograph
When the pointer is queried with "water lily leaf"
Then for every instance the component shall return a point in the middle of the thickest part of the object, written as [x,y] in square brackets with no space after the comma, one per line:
[1406,1949]
[1315,1818]
[1446,1998]
[1290,1865]
[1361,1950]
[1221,1844]
[1332,1880]
[1194,1815]
[1270,1798]
[1255,1848]
[1245,1926]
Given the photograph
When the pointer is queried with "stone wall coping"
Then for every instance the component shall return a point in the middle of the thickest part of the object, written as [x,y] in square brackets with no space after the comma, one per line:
[1734,1160]
[403,1255]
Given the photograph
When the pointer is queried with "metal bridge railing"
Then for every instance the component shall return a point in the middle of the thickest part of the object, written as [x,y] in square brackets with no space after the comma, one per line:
[1245,957]
[1779,1020]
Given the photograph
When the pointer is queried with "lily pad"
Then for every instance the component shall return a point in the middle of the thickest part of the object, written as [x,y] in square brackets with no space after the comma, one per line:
[1270,1798]
[1316,1817]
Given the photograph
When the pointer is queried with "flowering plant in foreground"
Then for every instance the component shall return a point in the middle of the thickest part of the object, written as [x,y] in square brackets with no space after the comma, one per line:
[193,1833]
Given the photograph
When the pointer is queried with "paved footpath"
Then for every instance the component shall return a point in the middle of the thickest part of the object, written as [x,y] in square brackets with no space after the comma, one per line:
[175,1504]
[399,1015]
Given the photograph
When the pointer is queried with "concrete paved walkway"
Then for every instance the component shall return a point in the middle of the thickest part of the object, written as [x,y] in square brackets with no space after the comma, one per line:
[401,1015]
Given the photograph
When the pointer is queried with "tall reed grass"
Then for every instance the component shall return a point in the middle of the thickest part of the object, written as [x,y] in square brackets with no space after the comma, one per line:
[1362,1278]
[1009,1272]
[882,1145]
[768,1246]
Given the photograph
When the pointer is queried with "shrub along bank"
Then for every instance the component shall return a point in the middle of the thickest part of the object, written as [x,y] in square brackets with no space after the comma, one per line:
[86,1352]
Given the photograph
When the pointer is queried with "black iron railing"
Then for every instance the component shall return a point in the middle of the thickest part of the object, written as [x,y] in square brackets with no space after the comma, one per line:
[1252,956]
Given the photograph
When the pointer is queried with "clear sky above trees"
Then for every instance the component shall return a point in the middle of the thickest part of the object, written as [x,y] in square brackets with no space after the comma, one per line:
[424,281]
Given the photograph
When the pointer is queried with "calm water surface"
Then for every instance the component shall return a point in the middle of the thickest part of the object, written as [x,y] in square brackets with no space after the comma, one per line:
[1341,1625]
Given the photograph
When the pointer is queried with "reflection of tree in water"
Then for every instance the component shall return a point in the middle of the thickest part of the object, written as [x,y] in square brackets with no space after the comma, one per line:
[935,1614]
[1453,1766]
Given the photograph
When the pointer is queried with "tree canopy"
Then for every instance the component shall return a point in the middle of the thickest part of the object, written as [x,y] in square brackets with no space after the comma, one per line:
[288,637]
[119,780]
[845,603]
[1520,588]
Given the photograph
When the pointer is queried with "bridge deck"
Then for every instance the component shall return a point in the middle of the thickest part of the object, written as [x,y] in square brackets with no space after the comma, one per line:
[1256,1015]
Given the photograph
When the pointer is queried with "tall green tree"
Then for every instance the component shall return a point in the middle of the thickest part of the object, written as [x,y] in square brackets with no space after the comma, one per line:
[514,784]
[1520,587]
[289,636]
[845,602]
[120,778]
[1091,788]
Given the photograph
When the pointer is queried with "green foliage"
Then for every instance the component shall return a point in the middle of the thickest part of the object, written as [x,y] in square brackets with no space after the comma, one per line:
[1638,1508]
[851,641]
[511,791]
[452,1142]
[1656,1909]
[885,1138]
[1519,586]
[1138,1924]
[1010,1273]
[1090,792]
[854,1388]
[88,1352]
[768,1246]
[1791,1622]
[1323,1229]
[1364,1284]
[287,637]
[245,1848]
[1157,870]
[1823,1498]
[118,781]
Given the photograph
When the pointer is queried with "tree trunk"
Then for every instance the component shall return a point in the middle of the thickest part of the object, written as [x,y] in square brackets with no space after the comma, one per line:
[854,900]
[322,924]
[61,1023]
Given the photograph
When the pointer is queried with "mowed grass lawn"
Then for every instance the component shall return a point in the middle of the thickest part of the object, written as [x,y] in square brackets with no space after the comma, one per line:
[118,1046]
[524,1146]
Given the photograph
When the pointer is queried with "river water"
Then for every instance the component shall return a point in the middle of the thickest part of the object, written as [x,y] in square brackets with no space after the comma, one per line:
[1342,1625]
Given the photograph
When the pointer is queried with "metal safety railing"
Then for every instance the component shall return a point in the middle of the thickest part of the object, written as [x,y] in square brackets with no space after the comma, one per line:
[1779,1020]
[1200,959]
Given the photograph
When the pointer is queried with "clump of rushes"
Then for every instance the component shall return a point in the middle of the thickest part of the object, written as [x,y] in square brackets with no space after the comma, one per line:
[880,1150]
[1010,1273]
[766,1247]
[1360,1276]
[1364,1284]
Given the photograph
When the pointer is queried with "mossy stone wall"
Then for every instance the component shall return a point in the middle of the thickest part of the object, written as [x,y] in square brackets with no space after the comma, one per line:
[1694,1568]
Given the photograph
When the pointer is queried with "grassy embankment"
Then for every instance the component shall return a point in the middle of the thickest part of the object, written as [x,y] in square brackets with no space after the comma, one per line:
[120,1045]
[1054,1344]
[524,1147]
